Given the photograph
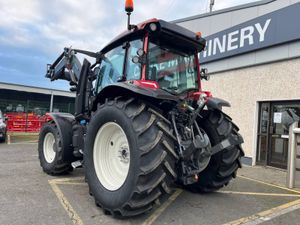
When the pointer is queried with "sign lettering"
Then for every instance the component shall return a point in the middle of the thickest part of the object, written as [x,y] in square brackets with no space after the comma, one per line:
[274,28]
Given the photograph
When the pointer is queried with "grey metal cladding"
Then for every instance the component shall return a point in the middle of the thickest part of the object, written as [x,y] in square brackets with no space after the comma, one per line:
[271,29]
[226,10]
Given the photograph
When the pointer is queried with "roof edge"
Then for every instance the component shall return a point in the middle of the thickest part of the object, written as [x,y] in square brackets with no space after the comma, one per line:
[35,87]
[230,9]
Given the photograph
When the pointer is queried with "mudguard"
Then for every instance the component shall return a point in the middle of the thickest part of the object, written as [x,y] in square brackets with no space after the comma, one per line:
[127,88]
[63,122]
[217,103]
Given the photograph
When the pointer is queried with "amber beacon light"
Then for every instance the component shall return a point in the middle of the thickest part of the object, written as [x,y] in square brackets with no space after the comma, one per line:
[129,6]
[129,10]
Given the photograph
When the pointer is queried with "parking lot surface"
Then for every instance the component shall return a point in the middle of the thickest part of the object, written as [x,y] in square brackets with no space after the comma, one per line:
[29,196]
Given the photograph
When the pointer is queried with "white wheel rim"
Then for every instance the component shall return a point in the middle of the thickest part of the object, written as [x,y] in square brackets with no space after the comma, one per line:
[48,147]
[111,156]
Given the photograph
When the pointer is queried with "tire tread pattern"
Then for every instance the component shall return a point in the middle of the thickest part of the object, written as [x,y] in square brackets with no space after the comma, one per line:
[58,166]
[156,174]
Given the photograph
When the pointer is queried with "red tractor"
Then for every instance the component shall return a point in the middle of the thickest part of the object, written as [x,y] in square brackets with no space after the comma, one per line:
[142,122]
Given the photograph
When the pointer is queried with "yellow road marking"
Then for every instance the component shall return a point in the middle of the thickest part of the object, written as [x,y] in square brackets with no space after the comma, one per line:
[68,179]
[65,203]
[267,215]
[71,183]
[272,185]
[259,193]
[253,219]
[151,219]
[75,217]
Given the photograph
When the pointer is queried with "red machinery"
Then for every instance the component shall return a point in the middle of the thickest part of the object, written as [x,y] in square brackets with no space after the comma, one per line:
[24,122]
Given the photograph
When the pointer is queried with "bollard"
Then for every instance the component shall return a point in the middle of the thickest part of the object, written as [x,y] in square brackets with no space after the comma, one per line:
[291,171]
[8,139]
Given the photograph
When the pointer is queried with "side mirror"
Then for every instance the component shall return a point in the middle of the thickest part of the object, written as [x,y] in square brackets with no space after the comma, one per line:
[204,74]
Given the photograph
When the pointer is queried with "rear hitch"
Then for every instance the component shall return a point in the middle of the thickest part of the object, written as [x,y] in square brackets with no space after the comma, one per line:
[189,152]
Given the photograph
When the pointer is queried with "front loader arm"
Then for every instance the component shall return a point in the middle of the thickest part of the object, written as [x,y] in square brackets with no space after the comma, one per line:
[67,66]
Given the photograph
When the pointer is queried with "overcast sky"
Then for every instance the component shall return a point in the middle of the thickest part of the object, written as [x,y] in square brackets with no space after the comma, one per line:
[34,32]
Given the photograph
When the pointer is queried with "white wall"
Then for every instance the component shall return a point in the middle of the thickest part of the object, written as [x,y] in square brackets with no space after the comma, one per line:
[243,88]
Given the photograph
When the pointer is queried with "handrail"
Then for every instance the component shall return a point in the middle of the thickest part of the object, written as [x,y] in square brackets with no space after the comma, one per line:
[296,130]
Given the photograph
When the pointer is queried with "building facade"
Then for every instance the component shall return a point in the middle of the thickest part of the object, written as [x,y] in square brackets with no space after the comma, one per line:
[26,106]
[253,56]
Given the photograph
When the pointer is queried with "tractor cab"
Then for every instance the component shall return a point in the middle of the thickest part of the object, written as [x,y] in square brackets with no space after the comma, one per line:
[155,53]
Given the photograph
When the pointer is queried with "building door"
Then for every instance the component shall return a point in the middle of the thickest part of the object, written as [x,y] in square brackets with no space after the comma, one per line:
[278,139]
[263,133]
[272,135]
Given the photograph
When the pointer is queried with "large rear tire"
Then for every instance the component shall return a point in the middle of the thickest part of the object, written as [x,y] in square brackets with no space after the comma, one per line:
[129,157]
[223,166]
[50,151]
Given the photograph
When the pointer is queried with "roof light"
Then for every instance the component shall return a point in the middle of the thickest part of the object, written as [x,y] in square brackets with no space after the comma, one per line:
[129,6]
[153,26]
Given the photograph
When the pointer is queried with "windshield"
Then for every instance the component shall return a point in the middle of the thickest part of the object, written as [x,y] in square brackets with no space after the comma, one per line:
[175,72]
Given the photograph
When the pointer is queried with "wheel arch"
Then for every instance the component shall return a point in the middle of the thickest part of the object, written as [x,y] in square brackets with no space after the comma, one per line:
[153,96]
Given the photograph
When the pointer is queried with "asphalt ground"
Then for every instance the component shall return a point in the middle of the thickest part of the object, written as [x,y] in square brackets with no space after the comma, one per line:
[29,196]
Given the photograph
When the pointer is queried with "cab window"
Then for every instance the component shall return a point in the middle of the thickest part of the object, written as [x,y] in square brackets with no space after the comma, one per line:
[133,70]
[111,68]
[175,71]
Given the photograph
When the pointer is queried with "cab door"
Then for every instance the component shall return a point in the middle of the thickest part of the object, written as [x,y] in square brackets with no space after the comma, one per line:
[117,65]
[111,68]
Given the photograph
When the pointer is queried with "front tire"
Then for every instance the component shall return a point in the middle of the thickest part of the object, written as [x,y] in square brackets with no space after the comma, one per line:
[148,168]
[223,166]
[50,151]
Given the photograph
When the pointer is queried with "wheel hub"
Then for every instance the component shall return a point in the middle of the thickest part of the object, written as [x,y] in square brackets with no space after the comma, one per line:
[111,155]
[124,155]
[49,147]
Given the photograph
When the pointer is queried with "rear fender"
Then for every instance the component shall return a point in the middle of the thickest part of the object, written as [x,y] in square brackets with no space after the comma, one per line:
[128,89]
[216,103]
[64,123]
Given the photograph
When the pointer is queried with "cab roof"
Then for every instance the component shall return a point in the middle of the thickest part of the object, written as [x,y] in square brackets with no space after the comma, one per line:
[166,33]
